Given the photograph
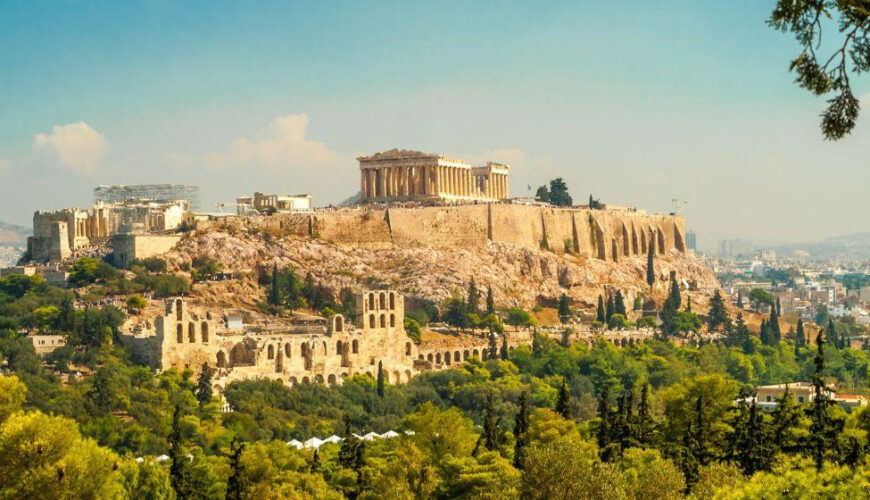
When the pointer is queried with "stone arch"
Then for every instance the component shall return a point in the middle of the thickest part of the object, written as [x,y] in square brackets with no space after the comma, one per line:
[626,242]
[382,300]
[293,381]
[484,354]
[429,357]
[330,379]
[179,333]
[457,357]
[355,346]
[407,348]
[204,331]
[598,240]
[288,350]
[325,349]
[465,355]
[397,379]
[392,320]
[383,320]
[221,359]
[339,323]
[392,301]
[178,309]
[338,347]
[191,332]
[240,355]
[438,358]
[343,376]
[475,353]
[421,357]
[318,379]
[217,388]
[279,361]
[407,375]
[633,240]
[303,349]
[306,380]
[447,357]
[371,301]
[372,321]
[271,350]
[678,239]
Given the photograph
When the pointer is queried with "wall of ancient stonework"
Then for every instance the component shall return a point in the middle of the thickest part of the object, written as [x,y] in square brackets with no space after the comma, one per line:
[129,247]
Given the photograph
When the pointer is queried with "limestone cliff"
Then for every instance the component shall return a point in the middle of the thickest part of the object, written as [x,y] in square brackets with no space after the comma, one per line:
[433,253]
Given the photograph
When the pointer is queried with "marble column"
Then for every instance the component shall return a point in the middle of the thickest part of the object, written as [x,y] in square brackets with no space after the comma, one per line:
[362,184]
[437,181]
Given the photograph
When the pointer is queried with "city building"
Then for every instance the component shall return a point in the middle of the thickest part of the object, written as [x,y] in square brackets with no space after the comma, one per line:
[691,241]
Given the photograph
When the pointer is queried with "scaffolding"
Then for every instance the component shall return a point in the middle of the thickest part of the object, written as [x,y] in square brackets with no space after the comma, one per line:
[159,193]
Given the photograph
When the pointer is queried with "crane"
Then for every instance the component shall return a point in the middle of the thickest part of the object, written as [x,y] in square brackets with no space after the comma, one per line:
[678,205]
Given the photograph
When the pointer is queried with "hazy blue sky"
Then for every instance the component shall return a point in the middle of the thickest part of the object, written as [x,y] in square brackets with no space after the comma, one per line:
[637,102]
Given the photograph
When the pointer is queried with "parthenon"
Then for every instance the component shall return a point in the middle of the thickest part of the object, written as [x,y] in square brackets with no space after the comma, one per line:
[402,175]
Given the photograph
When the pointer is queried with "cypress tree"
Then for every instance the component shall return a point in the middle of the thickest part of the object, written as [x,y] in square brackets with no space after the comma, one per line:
[473,295]
[204,390]
[645,424]
[650,266]
[350,444]
[491,429]
[619,304]
[764,333]
[503,353]
[563,404]
[604,435]
[521,428]
[564,308]
[786,417]
[275,291]
[315,461]
[800,338]
[676,298]
[739,301]
[824,430]
[490,301]
[608,308]
[832,334]
[380,379]
[493,346]
[178,474]
[601,315]
[235,488]
[778,308]
[773,325]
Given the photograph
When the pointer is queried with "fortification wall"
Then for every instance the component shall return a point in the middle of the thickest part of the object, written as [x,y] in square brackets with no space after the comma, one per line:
[602,234]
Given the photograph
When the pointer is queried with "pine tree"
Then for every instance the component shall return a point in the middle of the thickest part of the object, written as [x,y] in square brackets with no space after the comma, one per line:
[564,308]
[315,461]
[521,428]
[204,390]
[824,430]
[178,474]
[473,296]
[235,488]
[275,290]
[503,353]
[717,314]
[619,304]
[650,266]
[563,403]
[601,316]
[350,444]
[752,446]
[491,430]
[608,308]
[490,301]
[380,379]
[786,418]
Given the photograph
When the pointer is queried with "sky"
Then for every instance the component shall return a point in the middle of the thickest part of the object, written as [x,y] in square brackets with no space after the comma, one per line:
[635,102]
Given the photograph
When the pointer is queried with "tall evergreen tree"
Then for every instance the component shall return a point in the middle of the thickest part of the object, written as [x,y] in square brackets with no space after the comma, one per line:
[786,418]
[645,423]
[676,298]
[275,289]
[178,473]
[349,455]
[739,301]
[492,435]
[800,337]
[521,428]
[204,391]
[608,308]
[823,440]
[773,325]
[564,308]
[66,317]
[504,352]
[717,315]
[619,304]
[235,486]
[490,301]
[563,403]
[473,298]
[753,447]
[380,379]
[778,308]
[601,316]
[650,266]
[604,436]
[832,335]
[493,346]
[764,333]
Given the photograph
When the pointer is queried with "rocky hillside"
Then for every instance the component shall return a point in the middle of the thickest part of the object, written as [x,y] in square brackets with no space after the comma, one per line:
[518,275]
